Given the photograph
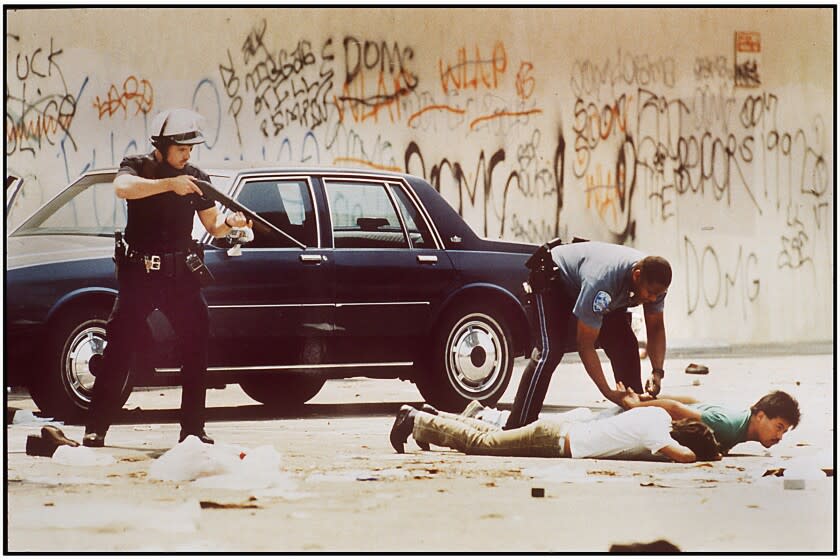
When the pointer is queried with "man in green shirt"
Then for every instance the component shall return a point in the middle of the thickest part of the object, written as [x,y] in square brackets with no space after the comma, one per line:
[766,421]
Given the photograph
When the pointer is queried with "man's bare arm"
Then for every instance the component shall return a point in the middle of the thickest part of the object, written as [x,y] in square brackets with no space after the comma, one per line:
[679,453]
[677,410]
[131,187]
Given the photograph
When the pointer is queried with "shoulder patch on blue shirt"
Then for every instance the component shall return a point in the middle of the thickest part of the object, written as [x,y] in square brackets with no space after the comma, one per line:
[601,303]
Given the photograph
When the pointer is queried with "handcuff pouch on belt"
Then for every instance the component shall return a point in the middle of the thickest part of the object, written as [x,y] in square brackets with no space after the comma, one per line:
[542,267]
[195,264]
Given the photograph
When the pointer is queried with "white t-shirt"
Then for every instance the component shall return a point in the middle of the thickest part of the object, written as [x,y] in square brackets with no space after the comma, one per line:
[633,434]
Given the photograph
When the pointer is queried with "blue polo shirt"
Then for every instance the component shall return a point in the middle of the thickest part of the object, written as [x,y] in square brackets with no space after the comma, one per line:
[597,277]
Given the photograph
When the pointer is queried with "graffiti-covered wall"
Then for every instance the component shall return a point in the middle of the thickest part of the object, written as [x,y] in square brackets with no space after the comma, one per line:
[700,134]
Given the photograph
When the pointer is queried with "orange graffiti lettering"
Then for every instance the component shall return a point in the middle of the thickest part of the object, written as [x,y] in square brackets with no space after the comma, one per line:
[364,107]
[501,114]
[138,92]
[455,110]
[474,73]
[366,163]
[525,84]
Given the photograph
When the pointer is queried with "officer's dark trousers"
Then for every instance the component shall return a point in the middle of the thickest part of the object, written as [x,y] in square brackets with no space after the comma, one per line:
[179,297]
[550,316]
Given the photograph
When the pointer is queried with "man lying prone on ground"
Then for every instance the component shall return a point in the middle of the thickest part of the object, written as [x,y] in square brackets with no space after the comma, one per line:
[643,433]
[766,421]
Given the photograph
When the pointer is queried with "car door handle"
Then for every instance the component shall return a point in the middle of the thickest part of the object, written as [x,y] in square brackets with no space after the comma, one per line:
[427,258]
[312,258]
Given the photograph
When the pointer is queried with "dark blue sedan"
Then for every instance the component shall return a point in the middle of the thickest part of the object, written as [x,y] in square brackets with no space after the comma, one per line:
[392,283]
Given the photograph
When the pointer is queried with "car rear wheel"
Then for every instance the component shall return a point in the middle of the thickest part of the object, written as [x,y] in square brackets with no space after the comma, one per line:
[470,359]
[284,390]
[64,386]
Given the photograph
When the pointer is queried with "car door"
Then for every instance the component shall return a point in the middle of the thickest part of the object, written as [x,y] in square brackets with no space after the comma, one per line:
[389,271]
[271,307]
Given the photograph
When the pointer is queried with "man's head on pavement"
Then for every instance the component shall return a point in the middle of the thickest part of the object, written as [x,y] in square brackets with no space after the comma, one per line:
[651,277]
[771,417]
[698,437]
[174,133]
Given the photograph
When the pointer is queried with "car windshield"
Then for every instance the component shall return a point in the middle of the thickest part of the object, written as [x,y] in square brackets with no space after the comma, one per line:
[87,207]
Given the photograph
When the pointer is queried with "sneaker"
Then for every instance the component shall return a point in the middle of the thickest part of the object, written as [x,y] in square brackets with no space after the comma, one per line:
[429,409]
[201,434]
[402,428]
[93,439]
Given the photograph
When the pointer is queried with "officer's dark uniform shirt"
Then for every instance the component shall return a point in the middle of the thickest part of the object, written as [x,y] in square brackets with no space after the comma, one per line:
[162,222]
[597,278]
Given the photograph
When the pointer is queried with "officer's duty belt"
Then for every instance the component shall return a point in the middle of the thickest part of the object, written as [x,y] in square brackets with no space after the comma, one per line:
[163,263]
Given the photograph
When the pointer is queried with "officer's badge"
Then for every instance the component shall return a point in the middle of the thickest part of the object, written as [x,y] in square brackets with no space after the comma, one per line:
[601,303]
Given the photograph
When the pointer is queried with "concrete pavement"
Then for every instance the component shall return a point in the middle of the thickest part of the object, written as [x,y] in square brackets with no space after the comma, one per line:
[344,488]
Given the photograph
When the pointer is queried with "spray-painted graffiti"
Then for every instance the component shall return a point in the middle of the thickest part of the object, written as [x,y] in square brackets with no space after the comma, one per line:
[473,72]
[627,69]
[40,107]
[139,94]
[717,283]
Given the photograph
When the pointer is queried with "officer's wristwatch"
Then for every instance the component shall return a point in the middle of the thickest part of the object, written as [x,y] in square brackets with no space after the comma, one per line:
[660,371]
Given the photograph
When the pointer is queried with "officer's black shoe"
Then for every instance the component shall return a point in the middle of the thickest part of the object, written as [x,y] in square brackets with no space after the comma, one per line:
[93,439]
[402,428]
[429,409]
[202,435]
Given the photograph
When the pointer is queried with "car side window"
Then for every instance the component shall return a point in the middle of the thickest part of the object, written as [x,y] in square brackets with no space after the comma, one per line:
[285,203]
[418,230]
[364,217]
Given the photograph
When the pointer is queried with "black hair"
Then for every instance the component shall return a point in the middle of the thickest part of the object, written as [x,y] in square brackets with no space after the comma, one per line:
[778,404]
[697,436]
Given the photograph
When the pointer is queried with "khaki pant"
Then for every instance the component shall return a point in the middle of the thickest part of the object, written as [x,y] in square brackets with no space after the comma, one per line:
[542,438]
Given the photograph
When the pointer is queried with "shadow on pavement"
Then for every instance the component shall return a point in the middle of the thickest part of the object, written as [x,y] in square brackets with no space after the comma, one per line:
[264,412]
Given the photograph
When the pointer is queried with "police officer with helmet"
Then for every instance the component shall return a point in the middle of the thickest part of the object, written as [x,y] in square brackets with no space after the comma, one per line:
[160,271]
[592,284]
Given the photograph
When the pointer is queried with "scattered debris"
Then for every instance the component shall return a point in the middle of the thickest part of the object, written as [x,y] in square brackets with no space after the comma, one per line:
[698,369]
[655,546]
[206,504]
[81,457]
[538,492]
[696,382]
[27,417]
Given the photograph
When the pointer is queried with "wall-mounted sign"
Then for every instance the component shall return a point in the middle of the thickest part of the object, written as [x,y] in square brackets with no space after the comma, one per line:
[747,59]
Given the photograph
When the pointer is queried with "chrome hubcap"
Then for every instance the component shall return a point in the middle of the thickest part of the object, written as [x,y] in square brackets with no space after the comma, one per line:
[85,344]
[476,356]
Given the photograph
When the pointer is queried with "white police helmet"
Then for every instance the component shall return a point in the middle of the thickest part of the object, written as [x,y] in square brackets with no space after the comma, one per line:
[176,126]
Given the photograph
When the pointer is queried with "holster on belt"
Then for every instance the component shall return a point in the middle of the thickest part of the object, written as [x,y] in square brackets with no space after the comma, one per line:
[542,267]
[195,264]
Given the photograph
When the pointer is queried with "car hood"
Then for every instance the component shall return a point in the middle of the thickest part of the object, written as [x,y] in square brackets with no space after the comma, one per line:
[32,250]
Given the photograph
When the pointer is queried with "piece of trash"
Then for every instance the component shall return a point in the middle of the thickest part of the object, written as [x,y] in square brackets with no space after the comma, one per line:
[695,382]
[27,417]
[113,517]
[660,545]
[216,505]
[794,484]
[259,469]
[81,457]
[192,459]
[538,492]
[699,369]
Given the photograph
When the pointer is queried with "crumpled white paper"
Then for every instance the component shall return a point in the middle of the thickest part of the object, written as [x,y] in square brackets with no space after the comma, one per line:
[222,466]
[81,457]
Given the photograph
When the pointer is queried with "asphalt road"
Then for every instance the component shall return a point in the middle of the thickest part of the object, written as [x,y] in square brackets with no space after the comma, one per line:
[326,479]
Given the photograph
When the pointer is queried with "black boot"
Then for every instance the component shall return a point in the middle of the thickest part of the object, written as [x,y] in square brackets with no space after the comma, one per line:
[93,439]
[200,434]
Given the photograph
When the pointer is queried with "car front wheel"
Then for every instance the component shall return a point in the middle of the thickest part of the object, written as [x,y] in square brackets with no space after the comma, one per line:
[64,385]
[470,359]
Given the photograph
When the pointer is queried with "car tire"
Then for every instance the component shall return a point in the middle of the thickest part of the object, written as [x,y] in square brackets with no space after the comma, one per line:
[471,358]
[64,385]
[282,391]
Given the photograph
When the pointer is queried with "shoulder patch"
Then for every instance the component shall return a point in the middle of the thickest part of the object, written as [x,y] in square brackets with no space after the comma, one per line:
[601,302]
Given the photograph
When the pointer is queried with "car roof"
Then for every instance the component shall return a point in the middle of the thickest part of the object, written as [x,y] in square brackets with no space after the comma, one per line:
[233,168]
